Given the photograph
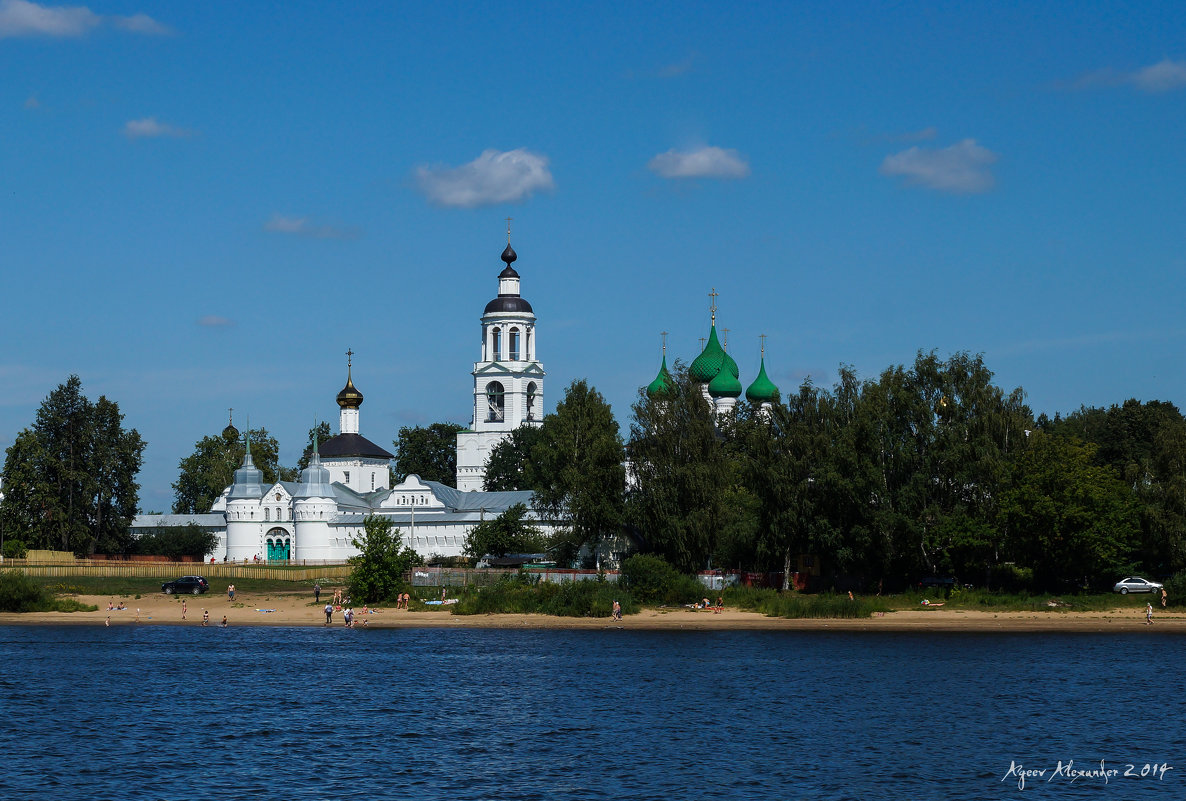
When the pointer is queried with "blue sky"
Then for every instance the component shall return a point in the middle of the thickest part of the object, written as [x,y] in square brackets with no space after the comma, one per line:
[203,205]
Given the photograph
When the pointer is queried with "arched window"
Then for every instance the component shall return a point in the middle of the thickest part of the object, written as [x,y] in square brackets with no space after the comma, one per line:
[495,396]
[531,401]
[528,353]
[496,344]
[514,342]
[267,513]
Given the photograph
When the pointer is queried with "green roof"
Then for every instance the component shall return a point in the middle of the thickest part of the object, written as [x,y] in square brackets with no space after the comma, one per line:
[662,386]
[706,366]
[763,389]
[725,385]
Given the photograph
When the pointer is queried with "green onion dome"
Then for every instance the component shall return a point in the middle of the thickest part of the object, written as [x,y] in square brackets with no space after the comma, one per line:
[710,361]
[763,389]
[725,385]
[662,386]
[731,365]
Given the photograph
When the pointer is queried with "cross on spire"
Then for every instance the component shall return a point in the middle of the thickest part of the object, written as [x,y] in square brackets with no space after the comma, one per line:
[509,229]
[349,359]
[763,338]
[230,413]
[664,335]
[713,304]
[725,341]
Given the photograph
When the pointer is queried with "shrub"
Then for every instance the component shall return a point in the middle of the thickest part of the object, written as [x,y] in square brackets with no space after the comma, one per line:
[1175,589]
[649,579]
[523,595]
[19,593]
[14,549]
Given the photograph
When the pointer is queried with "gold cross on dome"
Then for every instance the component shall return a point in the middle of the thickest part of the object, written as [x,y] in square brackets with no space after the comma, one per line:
[763,338]
[725,341]
[509,229]
[713,304]
[349,357]
[664,335]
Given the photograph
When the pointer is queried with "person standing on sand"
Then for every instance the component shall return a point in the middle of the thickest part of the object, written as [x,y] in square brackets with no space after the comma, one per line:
[223,624]
[205,617]
[230,592]
[316,593]
[1149,614]
[329,613]
[1163,597]
[183,609]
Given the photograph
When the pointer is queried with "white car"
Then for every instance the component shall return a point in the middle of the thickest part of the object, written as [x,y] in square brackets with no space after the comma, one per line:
[1136,584]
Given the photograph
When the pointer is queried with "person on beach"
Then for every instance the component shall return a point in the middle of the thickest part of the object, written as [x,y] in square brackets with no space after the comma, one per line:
[316,593]
[617,610]
[1149,614]
[110,606]
[230,592]
[720,605]
[442,594]
[223,624]
[108,623]
[137,614]
[183,610]
[205,617]
[329,613]
[1163,597]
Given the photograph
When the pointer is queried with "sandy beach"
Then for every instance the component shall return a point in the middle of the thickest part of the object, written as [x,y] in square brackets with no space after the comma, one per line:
[291,609]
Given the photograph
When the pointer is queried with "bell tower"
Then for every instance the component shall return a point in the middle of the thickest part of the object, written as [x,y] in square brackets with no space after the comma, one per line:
[508,379]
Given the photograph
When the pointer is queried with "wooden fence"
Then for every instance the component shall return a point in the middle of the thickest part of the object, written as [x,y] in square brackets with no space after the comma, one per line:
[100,568]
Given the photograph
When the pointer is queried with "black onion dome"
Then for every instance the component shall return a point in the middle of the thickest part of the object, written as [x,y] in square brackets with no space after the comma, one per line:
[508,303]
[230,432]
[509,254]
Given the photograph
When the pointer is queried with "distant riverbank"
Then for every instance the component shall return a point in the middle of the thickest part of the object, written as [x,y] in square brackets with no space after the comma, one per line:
[292,609]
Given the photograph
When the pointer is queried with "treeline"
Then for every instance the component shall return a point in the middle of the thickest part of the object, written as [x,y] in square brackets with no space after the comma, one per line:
[926,470]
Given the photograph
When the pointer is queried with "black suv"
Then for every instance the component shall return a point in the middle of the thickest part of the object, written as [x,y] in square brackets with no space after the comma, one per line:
[192,584]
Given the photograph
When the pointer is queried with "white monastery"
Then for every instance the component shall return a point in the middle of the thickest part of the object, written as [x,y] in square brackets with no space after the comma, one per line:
[318,517]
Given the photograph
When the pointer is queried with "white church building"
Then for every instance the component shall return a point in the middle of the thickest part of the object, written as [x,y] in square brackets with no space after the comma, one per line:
[317,518]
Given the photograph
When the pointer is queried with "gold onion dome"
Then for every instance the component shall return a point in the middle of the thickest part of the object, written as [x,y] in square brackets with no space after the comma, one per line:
[349,397]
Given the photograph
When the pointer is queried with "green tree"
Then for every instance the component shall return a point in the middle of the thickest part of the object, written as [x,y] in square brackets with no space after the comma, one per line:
[321,432]
[210,469]
[378,570]
[188,539]
[681,473]
[508,533]
[430,453]
[1069,519]
[577,466]
[510,466]
[70,480]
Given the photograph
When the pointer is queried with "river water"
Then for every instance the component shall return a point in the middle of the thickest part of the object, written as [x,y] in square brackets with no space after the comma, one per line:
[165,712]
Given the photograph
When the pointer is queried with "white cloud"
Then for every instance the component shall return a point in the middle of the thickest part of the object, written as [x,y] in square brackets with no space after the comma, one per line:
[705,162]
[962,168]
[142,24]
[302,226]
[22,18]
[493,177]
[214,321]
[1164,76]
[150,128]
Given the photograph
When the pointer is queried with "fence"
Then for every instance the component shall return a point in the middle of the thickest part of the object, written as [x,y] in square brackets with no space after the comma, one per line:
[101,568]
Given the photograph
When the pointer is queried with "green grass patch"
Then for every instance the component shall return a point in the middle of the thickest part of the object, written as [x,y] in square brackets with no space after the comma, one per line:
[796,605]
[19,593]
[516,595]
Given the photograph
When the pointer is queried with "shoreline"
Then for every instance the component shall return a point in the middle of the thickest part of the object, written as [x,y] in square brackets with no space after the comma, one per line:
[293,610]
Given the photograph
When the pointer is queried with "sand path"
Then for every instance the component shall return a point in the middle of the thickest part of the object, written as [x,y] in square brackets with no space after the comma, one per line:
[291,609]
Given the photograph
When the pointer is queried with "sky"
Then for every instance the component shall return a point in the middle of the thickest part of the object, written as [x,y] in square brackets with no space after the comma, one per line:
[204,205]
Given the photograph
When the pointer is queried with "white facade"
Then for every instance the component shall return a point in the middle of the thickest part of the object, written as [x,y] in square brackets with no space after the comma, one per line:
[508,380]
[318,518]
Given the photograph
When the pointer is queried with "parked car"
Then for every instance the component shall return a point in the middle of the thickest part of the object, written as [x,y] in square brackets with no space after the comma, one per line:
[190,584]
[1136,584]
[940,582]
